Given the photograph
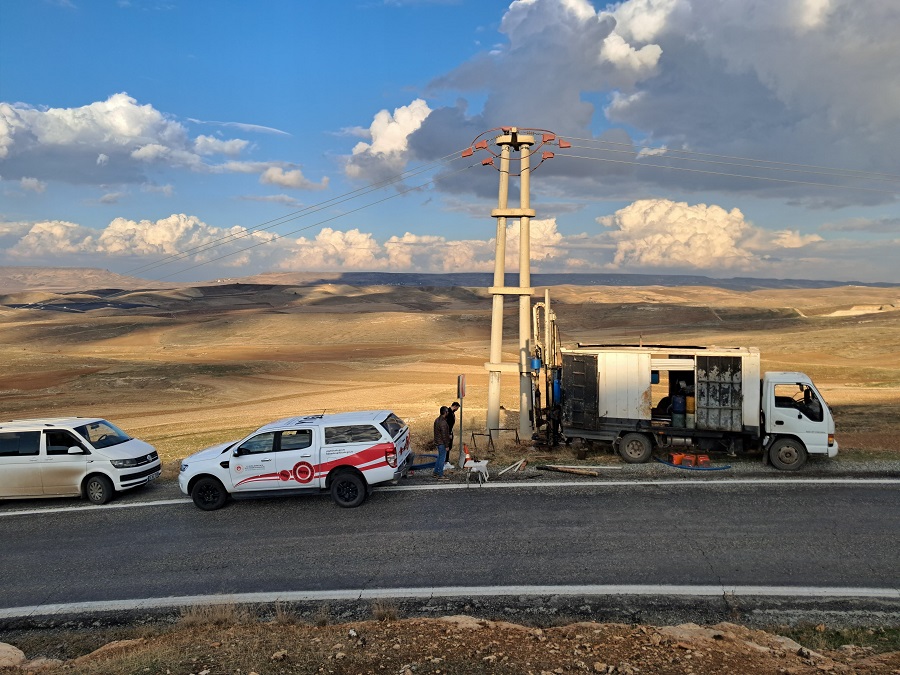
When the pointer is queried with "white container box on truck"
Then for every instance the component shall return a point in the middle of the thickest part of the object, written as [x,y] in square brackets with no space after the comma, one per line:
[708,398]
[345,454]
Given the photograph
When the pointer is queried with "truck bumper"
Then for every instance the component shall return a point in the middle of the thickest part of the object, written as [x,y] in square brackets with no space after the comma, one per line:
[833,450]
[403,469]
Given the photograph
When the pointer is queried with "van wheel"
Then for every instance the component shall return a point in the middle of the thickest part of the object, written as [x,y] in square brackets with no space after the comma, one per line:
[787,454]
[635,448]
[348,490]
[98,489]
[209,494]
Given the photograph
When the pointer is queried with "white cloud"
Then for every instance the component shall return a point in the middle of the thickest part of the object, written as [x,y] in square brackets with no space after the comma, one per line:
[33,184]
[111,197]
[209,145]
[100,143]
[386,154]
[293,178]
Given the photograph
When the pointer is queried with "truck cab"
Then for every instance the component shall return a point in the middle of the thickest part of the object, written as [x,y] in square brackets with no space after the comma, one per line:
[797,421]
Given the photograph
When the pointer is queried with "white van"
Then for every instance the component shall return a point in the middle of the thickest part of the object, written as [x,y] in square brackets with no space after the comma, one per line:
[344,453]
[72,456]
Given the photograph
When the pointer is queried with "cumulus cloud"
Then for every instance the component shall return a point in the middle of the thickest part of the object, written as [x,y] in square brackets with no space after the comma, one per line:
[33,185]
[387,152]
[782,80]
[661,233]
[292,178]
[209,145]
[116,141]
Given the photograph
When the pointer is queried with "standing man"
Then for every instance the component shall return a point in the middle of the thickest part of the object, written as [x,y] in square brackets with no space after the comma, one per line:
[442,442]
[451,422]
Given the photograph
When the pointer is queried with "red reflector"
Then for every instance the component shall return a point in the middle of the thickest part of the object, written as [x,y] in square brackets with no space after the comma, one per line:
[830,440]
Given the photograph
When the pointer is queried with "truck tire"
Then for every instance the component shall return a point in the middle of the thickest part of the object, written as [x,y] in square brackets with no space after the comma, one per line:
[788,454]
[209,494]
[348,490]
[635,448]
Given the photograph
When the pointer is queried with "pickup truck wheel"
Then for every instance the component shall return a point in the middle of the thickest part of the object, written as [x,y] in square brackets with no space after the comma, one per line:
[348,490]
[635,448]
[787,454]
[98,489]
[209,494]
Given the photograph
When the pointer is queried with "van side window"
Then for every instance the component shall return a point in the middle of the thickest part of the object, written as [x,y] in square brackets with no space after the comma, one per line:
[259,443]
[296,439]
[20,443]
[356,433]
[59,442]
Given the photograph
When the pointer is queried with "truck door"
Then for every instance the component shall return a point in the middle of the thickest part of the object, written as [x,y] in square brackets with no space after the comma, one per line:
[298,459]
[254,467]
[62,472]
[796,410]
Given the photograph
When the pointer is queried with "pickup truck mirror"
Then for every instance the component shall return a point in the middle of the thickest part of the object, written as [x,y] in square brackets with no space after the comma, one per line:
[236,452]
[75,450]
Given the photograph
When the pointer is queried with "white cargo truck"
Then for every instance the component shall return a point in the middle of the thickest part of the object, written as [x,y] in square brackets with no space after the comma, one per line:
[706,398]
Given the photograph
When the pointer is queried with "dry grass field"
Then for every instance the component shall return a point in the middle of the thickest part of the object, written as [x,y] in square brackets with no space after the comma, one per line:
[186,366]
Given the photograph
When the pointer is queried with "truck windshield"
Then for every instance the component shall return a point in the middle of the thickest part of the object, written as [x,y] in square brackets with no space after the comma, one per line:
[102,434]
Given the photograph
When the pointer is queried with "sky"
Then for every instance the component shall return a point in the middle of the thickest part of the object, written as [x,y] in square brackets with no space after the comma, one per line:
[202,139]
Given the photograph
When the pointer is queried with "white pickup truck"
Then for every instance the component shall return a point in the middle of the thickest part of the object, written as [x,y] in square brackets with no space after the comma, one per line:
[345,454]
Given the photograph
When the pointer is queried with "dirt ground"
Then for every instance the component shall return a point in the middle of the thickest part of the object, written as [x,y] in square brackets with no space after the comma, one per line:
[213,644]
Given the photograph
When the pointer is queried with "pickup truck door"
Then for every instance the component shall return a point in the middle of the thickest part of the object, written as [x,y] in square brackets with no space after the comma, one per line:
[298,459]
[254,466]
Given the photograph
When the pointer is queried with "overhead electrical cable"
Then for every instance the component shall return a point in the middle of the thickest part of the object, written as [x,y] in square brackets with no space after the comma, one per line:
[722,173]
[762,162]
[639,160]
[313,208]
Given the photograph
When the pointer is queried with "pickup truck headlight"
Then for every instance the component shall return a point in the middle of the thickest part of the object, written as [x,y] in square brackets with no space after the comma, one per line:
[183,467]
[123,463]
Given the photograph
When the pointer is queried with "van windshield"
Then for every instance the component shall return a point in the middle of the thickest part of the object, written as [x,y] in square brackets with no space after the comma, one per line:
[102,434]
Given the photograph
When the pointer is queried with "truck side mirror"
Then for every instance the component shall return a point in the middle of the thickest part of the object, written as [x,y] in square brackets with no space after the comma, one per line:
[236,452]
[75,450]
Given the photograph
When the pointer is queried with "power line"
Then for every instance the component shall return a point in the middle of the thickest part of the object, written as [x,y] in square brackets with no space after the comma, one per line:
[884,176]
[731,175]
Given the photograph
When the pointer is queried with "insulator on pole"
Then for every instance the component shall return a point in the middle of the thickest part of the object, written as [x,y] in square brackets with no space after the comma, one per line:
[468,152]
[481,145]
[548,138]
[486,162]
[564,144]
[546,155]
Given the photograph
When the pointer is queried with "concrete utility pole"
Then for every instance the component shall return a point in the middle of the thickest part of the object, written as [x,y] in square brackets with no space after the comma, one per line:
[510,141]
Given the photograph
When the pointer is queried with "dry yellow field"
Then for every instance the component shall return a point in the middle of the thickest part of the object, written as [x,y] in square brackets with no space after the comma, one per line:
[196,365]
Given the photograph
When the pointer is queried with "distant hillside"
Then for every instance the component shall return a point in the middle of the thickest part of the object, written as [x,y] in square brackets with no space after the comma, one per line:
[62,279]
[485,279]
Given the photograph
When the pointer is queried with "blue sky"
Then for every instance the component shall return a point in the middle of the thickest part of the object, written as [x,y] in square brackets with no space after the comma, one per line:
[139,129]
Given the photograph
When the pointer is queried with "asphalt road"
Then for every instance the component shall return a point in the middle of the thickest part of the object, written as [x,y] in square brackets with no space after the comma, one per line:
[767,535]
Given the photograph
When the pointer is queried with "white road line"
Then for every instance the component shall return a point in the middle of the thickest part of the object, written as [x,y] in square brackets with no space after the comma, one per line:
[517,485]
[451,592]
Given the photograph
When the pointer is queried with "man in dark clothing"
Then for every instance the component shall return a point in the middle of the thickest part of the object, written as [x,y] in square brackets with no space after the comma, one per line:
[451,422]
[441,442]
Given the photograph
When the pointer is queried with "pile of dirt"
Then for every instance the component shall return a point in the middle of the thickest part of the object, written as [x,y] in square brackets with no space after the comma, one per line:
[455,644]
